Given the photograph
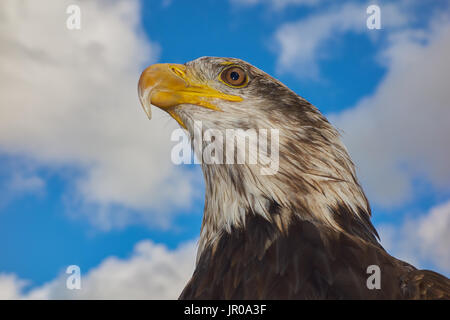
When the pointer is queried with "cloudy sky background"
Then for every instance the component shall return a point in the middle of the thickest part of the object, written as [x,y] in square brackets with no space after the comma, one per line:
[86,179]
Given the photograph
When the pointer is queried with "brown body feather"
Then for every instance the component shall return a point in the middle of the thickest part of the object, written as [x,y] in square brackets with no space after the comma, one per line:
[308,261]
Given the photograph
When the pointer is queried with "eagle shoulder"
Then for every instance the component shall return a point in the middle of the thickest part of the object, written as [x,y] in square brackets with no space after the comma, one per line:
[425,284]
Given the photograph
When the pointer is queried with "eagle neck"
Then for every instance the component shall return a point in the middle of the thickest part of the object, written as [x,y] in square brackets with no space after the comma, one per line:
[236,192]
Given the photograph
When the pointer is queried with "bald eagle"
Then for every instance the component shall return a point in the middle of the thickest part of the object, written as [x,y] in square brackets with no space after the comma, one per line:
[301,233]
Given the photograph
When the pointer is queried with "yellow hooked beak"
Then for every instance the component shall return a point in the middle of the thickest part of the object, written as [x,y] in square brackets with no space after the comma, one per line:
[167,86]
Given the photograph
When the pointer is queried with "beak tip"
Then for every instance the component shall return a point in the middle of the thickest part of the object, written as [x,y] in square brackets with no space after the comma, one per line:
[148,110]
[144,100]
[149,113]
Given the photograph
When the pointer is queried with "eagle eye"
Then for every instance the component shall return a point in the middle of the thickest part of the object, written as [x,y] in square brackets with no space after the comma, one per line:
[234,76]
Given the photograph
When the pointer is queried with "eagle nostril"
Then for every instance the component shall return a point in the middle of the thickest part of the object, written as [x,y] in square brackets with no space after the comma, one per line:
[177,71]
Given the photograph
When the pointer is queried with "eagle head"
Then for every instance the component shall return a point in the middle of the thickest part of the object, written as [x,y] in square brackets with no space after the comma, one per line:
[315,178]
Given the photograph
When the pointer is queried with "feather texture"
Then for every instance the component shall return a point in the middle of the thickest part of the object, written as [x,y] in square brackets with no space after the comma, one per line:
[309,261]
[302,233]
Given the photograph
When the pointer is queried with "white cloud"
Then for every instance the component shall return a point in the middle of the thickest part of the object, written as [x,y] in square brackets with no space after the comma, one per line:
[18,178]
[69,99]
[166,3]
[401,132]
[151,272]
[277,4]
[22,183]
[423,240]
[301,45]
[11,287]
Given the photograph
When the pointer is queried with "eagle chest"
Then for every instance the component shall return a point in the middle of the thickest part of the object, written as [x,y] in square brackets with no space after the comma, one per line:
[259,262]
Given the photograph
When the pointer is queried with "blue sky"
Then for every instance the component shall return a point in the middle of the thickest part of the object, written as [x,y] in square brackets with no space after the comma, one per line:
[48,217]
